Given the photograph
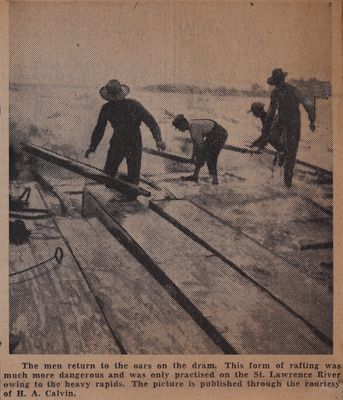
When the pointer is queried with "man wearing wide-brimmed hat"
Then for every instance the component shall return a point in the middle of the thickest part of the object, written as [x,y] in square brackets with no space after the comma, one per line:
[285,101]
[125,116]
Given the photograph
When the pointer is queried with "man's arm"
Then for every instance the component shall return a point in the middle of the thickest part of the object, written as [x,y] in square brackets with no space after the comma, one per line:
[194,152]
[260,142]
[198,155]
[309,107]
[151,123]
[268,122]
[98,132]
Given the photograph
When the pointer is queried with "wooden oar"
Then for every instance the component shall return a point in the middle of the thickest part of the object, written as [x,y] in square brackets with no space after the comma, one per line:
[166,154]
[85,170]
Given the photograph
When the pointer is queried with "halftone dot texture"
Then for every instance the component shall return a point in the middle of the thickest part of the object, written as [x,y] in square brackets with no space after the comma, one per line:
[243,267]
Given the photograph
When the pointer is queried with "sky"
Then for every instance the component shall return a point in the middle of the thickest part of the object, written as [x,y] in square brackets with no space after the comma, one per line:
[212,43]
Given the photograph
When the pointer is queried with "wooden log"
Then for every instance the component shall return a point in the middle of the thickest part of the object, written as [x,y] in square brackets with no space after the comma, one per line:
[67,207]
[85,170]
[240,316]
[50,310]
[244,150]
[140,311]
[308,299]
[237,149]
[315,246]
[166,154]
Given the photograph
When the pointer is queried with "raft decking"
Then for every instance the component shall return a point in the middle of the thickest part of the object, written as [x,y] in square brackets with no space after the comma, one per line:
[237,314]
[99,300]
[145,318]
[192,270]
[271,273]
[52,310]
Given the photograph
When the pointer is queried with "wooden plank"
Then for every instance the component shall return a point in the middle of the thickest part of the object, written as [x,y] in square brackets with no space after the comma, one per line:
[298,223]
[232,307]
[51,309]
[306,297]
[282,224]
[85,170]
[144,316]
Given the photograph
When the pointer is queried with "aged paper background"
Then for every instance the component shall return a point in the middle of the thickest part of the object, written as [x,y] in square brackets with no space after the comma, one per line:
[157,62]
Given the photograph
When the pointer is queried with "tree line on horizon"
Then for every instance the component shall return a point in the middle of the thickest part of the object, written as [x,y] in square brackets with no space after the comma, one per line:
[311,87]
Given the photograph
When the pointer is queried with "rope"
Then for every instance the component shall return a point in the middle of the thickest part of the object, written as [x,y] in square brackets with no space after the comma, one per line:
[58,256]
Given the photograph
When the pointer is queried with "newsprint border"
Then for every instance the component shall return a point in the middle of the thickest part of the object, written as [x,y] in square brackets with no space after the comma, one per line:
[13,363]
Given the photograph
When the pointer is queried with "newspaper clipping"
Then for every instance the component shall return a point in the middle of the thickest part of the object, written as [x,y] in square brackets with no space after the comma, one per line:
[171,198]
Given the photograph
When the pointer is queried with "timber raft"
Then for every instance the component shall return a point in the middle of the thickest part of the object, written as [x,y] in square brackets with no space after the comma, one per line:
[184,269]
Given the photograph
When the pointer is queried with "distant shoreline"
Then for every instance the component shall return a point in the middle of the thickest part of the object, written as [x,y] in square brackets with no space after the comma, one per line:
[311,88]
[219,91]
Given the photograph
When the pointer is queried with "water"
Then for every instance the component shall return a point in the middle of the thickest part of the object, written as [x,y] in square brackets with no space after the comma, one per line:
[63,118]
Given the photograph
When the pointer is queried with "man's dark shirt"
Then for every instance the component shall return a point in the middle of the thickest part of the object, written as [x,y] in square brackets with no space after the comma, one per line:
[125,117]
[285,99]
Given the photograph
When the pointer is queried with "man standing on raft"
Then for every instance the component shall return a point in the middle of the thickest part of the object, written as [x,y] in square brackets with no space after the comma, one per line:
[125,116]
[285,101]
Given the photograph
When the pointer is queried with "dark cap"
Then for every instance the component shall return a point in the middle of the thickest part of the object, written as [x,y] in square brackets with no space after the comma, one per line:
[179,119]
[256,106]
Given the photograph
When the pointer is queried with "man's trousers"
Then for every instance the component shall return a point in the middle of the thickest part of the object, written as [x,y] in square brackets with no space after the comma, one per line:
[131,151]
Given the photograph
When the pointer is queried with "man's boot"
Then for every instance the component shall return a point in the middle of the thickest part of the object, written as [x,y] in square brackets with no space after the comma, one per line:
[192,178]
[215,180]
[279,159]
[288,180]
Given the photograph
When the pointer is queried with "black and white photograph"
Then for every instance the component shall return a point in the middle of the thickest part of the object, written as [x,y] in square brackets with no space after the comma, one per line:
[170,178]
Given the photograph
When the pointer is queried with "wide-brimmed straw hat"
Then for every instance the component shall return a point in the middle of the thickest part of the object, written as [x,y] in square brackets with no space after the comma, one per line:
[278,75]
[114,90]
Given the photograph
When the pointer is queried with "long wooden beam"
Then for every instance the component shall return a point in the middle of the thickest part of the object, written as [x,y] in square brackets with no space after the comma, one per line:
[186,160]
[85,170]
[166,154]
[243,150]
